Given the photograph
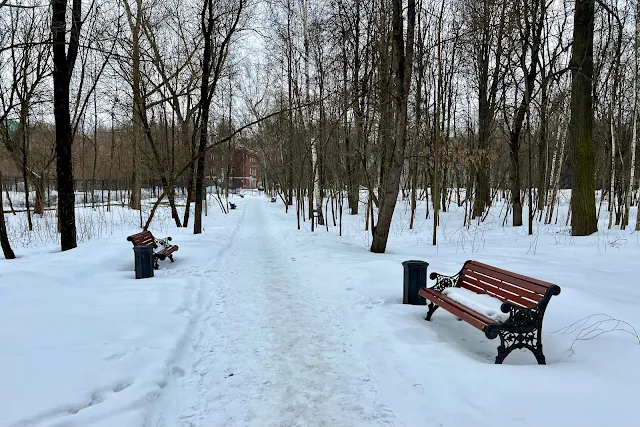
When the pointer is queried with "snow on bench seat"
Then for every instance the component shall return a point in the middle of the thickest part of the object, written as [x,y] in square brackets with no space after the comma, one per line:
[482,303]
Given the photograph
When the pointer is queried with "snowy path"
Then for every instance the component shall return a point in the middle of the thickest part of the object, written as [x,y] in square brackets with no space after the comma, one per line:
[268,349]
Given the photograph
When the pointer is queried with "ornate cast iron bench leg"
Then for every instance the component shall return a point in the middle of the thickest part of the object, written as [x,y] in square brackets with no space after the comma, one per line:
[432,308]
[510,341]
[523,328]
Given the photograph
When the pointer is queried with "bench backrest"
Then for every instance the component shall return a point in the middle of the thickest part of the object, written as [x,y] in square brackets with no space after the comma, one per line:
[143,238]
[502,284]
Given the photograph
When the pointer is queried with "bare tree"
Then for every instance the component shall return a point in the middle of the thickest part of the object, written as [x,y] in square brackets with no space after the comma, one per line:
[583,208]
[64,61]
[215,51]
[395,144]
[487,32]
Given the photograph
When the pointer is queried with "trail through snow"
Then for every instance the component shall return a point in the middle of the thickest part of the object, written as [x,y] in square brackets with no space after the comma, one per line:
[268,348]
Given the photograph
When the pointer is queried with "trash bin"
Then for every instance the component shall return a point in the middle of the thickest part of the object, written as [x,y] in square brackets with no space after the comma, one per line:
[415,277]
[143,259]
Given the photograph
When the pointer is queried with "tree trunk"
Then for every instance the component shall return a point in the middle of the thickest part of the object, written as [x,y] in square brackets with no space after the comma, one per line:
[543,150]
[403,64]
[205,103]
[4,238]
[583,205]
[556,170]
[612,169]
[25,166]
[634,137]
[435,188]
[516,199]
[135,23]
[190,177]
[211,70]
[62,70]
[38,207]
[482,197]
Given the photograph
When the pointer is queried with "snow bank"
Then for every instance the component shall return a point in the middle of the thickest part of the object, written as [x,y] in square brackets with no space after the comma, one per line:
[442,372]
[481,303]
[82,342]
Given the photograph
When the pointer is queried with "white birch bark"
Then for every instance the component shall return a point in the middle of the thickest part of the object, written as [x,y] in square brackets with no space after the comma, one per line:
[557,169]
[316,181]
[613,168]
[635,123]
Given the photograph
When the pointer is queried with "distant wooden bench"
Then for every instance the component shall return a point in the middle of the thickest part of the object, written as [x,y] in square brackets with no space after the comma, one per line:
[273,200]
[523,298]
[145,238]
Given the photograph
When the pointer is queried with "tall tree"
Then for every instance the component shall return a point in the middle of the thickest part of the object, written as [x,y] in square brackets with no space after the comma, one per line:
[529,21]
[395,144]
[135,24]
[488,21]
[63,64]
[214,56]
[583,203]
[634,138]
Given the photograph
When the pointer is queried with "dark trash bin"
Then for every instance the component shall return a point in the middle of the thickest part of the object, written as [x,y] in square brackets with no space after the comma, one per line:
[143,259]
[415,277]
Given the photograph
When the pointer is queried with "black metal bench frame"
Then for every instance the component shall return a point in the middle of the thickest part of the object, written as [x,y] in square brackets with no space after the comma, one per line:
[146,238]
[525,300]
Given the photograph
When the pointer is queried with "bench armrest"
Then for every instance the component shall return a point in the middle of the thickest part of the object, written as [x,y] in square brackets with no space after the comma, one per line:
[443,282]
[522,319]
[513,309]
[163,242]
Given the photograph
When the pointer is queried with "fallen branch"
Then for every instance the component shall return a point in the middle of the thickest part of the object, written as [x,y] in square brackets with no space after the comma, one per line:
[587,331]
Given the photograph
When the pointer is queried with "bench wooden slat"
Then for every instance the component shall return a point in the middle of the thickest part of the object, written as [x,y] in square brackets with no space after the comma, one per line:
[518,287]
[511,288]
[472,317]
[503,292]
[500,277]
[469,283]
[542,283]
[168,251]
[463,308]
[524,282]
[142,238]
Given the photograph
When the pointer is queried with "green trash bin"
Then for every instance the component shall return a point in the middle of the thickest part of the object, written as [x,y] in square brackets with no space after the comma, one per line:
[143,260]
[415,278]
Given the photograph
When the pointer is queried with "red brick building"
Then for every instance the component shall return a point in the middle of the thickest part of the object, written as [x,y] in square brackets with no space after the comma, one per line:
[244,170]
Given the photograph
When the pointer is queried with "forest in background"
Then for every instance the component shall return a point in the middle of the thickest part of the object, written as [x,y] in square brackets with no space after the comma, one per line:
[352,101]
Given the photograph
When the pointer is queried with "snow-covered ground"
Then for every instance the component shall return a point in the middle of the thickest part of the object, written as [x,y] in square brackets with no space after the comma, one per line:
[82,341]
[259,324]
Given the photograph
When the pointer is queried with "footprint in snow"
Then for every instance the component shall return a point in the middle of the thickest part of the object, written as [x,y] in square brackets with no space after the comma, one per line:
[120,386]
[177,371]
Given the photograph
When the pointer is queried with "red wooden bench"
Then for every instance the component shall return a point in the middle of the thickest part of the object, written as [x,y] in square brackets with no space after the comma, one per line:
[145,238]
[523,298]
